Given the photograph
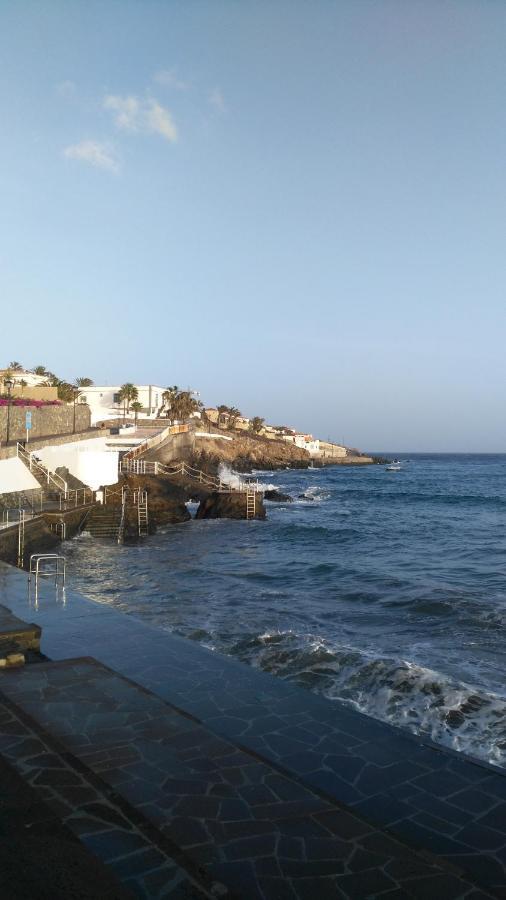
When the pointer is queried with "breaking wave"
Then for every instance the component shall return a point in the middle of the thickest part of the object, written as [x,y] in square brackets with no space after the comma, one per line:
[236,481]
[396,691]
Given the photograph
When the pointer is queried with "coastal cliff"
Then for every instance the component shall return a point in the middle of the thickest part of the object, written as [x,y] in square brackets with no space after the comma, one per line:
[245,452]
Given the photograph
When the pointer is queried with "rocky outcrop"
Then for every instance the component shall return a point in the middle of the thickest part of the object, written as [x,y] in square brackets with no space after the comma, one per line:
[228,506]
[166,501]
[246,452]
[277,497]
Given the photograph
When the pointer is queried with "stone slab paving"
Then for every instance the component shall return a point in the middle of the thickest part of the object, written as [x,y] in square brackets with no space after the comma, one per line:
[436,799]
[59,799]
[39,856]
[260,833]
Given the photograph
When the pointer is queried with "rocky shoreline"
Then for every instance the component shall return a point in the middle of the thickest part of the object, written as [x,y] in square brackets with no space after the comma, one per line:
[247,452]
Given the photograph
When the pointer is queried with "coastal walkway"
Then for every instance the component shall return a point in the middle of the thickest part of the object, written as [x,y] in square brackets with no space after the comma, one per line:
[220,780]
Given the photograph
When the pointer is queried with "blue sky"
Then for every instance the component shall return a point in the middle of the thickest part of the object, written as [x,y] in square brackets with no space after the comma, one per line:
[296,208]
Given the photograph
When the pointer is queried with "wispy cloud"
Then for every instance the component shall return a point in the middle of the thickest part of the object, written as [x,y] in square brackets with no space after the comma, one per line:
[66,89]
[94,153]
[126,111]
[169,79]
[138,115]
[216,99]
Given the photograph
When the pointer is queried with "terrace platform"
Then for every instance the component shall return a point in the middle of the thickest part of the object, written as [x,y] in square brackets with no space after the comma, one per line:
[245,784]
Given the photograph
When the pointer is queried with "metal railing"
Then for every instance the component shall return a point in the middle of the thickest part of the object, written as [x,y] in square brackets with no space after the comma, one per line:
[146,467]
[121,529]
[12,515]
[36,570]
[60,529]
[36,467]
[76,497]
[150,442]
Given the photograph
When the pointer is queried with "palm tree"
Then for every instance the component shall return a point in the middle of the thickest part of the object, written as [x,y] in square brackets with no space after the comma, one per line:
[15,366]
[168,397]
[127,393]
[40,370]
[233,413]
[183,405]
[137,408]
[256,424]
[84,382]
[66,392]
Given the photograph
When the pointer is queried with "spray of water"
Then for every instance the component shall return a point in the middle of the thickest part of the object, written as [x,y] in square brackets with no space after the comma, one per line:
[236,481]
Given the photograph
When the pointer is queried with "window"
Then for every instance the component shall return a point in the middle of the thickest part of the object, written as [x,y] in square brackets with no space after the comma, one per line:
[115,398]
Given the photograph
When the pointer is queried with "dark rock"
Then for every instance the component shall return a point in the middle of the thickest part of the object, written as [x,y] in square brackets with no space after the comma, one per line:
[305,497]
[228,506]
[277,497]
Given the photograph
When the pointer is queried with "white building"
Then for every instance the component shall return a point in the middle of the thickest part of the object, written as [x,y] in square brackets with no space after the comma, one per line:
[93,461]
[104,401]
[19,375]
[304,441]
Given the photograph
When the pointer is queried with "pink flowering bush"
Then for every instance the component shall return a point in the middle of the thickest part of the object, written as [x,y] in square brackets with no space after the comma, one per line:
[25,401]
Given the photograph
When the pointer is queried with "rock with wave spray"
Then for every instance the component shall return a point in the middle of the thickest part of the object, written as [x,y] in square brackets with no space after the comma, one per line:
[229,505]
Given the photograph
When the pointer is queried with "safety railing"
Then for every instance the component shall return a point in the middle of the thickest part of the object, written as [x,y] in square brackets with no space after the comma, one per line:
[146,467]
[76,497]
[121,529]
[38,469]
[46,565]
[150,442]
[119,494]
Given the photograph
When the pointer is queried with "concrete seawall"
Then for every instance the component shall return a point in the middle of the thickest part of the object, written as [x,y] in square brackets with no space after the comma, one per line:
[39,538]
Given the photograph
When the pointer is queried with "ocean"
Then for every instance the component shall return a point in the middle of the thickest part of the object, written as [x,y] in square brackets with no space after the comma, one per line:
[385,590]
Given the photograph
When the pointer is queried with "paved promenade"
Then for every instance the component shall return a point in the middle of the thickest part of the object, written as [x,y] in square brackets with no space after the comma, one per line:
[243,783]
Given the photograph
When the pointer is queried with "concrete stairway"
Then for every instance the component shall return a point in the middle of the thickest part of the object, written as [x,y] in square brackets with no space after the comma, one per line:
[176,810]
[103,522]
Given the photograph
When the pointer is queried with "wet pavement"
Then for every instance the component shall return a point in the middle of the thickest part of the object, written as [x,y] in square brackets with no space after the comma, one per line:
[248,783]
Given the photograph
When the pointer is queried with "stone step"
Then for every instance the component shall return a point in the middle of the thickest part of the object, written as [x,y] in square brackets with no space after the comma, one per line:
[16,636]
[96,844]
[233,823]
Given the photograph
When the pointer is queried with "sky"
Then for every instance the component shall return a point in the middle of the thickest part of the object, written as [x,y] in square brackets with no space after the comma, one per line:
[296,208]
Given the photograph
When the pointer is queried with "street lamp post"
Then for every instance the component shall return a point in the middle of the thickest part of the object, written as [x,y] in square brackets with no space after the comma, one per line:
[9,384]
[75,395]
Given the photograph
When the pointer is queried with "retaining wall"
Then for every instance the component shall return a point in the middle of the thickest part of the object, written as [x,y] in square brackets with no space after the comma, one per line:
[38,539]
[46,421]
[175,446]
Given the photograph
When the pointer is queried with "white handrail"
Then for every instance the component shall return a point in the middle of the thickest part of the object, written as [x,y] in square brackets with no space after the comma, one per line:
[32,464]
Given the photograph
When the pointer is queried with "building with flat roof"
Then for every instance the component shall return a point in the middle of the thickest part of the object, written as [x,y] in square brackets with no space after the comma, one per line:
[104,401]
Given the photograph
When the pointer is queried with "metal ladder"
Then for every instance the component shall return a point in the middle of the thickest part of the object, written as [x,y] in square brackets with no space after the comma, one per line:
[21,539]
[46,565]
[250,505]
[142,513]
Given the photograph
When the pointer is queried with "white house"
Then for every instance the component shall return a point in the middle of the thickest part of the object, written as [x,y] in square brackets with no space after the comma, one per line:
[19,375]
[104,401]
[304,441]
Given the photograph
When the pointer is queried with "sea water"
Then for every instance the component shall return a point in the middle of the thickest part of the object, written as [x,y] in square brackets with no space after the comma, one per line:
[385,590]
